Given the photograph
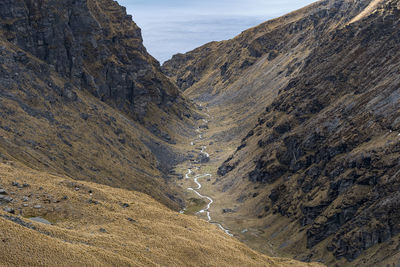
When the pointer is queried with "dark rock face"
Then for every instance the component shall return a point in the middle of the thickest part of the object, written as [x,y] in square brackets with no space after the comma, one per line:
[228,211]
[95,44]
[9,210]
[164,136]
[385,212]
[262,175]
[5,199]
[329,141]
[226,167]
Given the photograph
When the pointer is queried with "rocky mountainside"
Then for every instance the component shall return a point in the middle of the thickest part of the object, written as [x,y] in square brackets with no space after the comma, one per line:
[295,139]
[88,124]
[318,176]
[243,75]
[95,45]
[80,96]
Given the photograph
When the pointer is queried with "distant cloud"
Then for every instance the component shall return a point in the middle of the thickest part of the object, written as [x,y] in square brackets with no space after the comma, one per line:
[178,26]
[165,38]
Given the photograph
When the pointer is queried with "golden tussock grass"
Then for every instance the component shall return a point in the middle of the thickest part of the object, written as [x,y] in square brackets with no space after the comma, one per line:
[144,234]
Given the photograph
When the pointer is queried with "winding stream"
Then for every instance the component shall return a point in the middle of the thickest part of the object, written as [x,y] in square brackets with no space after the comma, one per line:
[196,180]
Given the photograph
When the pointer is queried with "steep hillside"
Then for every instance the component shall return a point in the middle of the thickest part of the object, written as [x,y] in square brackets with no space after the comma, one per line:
[318,177]
[87,120]
[80,96]
[62,222]
[95,45]
[242,75]
[91,127]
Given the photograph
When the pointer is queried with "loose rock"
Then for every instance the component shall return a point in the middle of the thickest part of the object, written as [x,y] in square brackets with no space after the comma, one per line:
[9,210]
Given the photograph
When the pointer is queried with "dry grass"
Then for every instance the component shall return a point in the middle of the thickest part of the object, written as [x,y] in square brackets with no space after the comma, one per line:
[158,236]
[105,147]
[51,142]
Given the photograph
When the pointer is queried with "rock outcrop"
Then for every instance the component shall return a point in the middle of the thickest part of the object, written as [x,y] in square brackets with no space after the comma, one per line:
[95,45]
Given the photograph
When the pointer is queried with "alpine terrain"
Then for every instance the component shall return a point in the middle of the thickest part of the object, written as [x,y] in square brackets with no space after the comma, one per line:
[306,131]
[279,147]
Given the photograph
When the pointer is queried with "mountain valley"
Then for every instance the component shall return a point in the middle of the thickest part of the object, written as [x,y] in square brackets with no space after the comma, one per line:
[279,147]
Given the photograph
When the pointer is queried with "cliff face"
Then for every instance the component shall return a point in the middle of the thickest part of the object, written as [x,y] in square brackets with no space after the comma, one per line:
[322,163]
[95,45]
[81,97]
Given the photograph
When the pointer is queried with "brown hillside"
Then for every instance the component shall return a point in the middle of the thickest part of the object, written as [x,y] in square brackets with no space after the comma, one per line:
[96,225]
[317,178]
[68,69]
[86,110]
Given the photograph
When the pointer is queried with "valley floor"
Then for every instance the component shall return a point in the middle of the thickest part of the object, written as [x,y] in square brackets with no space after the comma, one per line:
[203,194]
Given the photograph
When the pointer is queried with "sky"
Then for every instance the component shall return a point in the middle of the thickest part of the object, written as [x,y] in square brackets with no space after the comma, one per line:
[178,26]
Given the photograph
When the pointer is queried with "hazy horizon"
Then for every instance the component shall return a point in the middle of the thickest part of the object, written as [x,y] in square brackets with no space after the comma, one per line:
[178,26]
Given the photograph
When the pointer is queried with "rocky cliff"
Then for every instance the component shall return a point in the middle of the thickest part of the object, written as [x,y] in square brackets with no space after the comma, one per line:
[81,97]
[321,164]
[95,45]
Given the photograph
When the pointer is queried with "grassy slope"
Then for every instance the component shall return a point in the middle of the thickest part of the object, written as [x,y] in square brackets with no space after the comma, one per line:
[52,135]
[157,236]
